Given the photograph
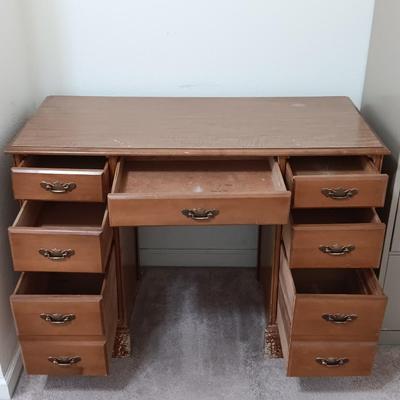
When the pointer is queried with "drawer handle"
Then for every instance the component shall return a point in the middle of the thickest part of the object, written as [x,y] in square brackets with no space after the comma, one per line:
[57,254]
[337,250]
[339,193]
[57,319]
[200,214]
[65,361]
[339,318]
[58,187]
[332,362]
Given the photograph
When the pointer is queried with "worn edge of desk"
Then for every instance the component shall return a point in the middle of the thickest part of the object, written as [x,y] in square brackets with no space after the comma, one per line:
[199,152]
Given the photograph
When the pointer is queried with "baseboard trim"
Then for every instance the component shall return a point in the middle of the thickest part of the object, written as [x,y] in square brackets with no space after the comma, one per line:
[198,257]
[9,382]
[389,337]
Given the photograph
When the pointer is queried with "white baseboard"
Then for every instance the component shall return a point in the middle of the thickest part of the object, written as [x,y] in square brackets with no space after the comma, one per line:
[9,381]
[389,337]
[198,258]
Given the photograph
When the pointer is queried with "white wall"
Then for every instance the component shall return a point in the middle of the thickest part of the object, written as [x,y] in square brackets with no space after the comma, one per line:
[16,104]
[199,48]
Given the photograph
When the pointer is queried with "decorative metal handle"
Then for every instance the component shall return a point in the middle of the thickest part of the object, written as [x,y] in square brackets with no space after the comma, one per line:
[57,254]
[200,214]
[57,319]
[337,250]
[58,187]
[64,361]
[332,362]
[340,318]
[339,193]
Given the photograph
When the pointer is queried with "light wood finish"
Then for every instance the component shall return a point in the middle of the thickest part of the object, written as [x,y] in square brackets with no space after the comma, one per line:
[92,350]
[307,177]
[309,294]
[90,175]
[90,298]
[81,227]
[243,192]
[310,229]
[303,354]
[197,126]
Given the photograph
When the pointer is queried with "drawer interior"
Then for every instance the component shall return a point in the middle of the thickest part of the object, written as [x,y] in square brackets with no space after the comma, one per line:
[59,283]
[63,162]
[335,281]
[334,216]
[201,178]
[331,166]
[61,215]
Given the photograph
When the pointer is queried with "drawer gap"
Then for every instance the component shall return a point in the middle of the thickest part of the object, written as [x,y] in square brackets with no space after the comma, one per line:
[63,162]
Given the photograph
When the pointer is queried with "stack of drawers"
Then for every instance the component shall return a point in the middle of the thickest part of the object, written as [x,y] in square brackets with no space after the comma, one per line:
[330,304]
[65,302]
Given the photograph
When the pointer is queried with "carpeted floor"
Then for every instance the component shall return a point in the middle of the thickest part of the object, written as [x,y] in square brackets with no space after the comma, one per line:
[198,334]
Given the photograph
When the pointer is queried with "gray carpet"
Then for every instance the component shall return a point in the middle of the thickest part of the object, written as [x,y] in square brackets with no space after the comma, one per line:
[198,334]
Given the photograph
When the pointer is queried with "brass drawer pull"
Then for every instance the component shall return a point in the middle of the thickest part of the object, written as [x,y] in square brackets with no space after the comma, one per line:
[339,193]
[339,318]
[332,362]
[65,361]
[200,214]
[337,250]
[57,254]
[58,187]
[57,319]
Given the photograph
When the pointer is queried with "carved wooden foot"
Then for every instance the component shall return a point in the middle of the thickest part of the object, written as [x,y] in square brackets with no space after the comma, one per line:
[272,344]
[122,343]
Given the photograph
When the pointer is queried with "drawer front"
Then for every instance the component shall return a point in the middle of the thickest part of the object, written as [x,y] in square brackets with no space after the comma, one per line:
[44,356]
[339,191]
[44,250]
[64,315]
[344,315]
[60,185]
[334,246]
[142,212]
[330,358]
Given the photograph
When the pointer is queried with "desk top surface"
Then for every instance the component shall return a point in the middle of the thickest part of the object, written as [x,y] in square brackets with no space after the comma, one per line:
[197,126]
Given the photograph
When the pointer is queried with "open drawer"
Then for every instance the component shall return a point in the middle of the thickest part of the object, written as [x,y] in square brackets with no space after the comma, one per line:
[342,304]
[335,182]
[60,237]
[334,238]
[61,178]
[198,192]
[65,304]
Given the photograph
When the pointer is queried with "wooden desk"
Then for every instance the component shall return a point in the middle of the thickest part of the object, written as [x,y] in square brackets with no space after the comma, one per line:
[87,170]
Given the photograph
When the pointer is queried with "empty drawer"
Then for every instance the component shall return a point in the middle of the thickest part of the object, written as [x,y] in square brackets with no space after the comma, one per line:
[331,303]
[198,192]
[61,237]
[61,178]
[334,238]
[335,182]
[64,304]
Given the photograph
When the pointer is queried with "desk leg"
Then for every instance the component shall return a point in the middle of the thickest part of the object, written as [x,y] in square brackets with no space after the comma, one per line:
[127,286]
[269,277]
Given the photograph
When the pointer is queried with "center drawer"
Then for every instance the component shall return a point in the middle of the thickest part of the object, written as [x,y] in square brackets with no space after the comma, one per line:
[64,304]
[61,237]
[334,238]
[61,178]
[335,182]
[198,192]
[336,303]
